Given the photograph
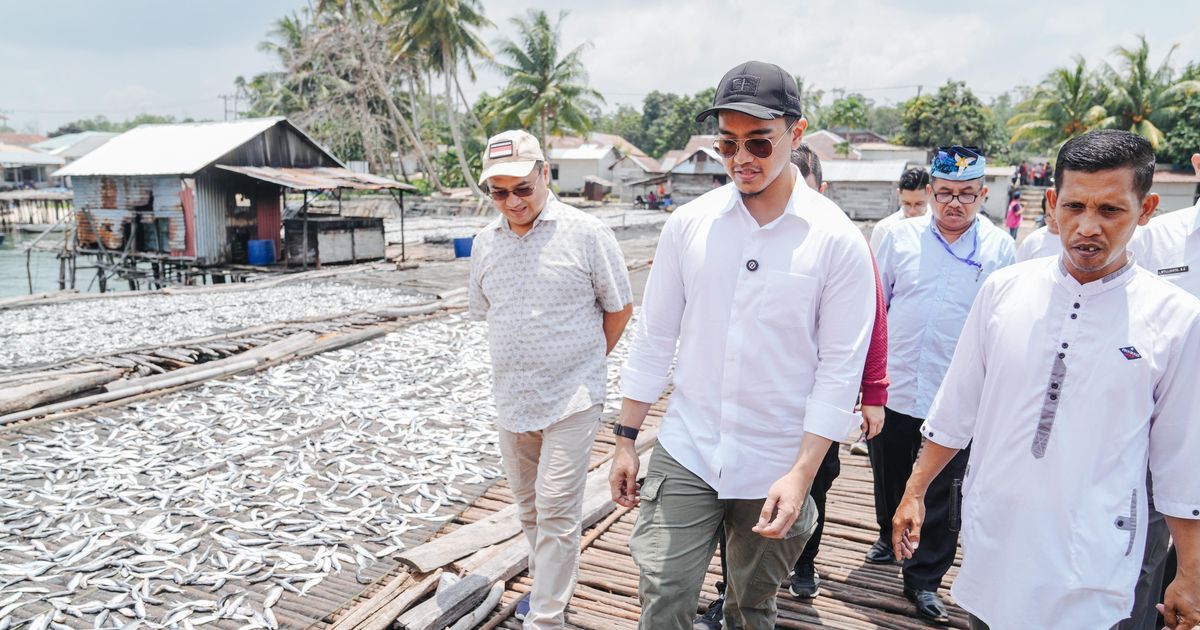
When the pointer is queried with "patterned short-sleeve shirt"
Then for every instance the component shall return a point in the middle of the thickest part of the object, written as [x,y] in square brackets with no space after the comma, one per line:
[544,296]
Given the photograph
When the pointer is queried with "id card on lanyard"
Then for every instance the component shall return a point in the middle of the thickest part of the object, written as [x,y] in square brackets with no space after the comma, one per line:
[970,258]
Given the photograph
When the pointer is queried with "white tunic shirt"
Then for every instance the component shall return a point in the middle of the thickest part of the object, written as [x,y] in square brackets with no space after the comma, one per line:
[1065,393]
[929,291]
[1039,244]
[885,224]
[544,296]
[1169,246]
[772,325]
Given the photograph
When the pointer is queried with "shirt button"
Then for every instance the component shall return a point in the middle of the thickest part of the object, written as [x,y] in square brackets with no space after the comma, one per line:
[1074,316]
[752,264]
[1195,512]
[1053,385]
[1064,346]
[1053,396]
[1077,305]
[1062,355]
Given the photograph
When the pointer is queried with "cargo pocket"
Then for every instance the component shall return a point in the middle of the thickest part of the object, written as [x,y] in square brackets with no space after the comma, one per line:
[806,522]
[645,540]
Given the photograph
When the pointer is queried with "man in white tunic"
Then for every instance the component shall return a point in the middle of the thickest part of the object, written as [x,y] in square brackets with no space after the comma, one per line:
[552,285]
[1071,376]
[1169,247]
[913,192]
[1043,241]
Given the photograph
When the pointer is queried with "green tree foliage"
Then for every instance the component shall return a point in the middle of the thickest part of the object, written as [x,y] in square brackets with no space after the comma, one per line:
[1184,137]
[952,115]
[1143,99]
[102,123]
[849,112]
[1067,103]
[547,88]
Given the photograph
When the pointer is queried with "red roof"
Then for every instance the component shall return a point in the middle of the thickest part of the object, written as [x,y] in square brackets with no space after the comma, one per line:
[21,139]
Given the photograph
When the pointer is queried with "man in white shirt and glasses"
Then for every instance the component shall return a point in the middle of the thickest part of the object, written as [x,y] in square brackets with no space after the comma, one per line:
[764,293]
[552,285]
[931,268]
[1072,375]
[913,193]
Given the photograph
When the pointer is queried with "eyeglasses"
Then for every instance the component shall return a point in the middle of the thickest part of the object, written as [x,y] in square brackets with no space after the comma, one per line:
[520,191]
[760,148]
[963,198]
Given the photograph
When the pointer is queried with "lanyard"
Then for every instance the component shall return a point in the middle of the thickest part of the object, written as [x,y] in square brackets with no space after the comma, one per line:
[969,260]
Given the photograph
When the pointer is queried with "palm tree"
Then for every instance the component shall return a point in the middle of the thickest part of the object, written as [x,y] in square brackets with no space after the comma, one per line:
[444,31]
[1066,104]
[1145,100]
[544,87]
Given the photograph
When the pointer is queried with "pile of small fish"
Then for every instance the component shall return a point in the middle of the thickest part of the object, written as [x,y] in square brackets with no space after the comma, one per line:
[54,332]
[262,500]
[418,229]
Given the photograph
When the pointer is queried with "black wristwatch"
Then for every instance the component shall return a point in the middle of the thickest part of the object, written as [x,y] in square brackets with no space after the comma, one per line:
[625,432]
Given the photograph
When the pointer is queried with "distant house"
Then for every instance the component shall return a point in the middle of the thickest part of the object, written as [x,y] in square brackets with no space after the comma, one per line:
[22,167]
[606,158]
[999,183]
[891,152]
[864,189]
[1176,190]
[694,174]
[830,146]
[20,139]
[196,193]
[72,146]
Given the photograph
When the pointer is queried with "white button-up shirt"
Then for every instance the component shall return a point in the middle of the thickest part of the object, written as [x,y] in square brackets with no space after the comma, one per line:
[885,224]
[1065,392]
[929,292]
[772,325]
[1169,246]
[1039,244]
[544,296]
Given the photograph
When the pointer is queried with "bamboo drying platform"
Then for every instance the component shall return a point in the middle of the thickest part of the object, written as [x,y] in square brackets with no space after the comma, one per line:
[854,594]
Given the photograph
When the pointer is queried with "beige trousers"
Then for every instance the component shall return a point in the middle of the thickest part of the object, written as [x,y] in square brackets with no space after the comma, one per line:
[547,471]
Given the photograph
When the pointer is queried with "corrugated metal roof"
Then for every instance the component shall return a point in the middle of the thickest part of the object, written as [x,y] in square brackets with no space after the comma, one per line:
[179,149]
[73,146]
[323,178]
[862,170]
[14,155]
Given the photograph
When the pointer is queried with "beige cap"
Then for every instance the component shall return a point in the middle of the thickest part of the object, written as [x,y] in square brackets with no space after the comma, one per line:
[510,154]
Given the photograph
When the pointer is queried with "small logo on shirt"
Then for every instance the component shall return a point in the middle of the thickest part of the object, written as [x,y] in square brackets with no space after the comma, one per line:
[1170,271]
[1130,353]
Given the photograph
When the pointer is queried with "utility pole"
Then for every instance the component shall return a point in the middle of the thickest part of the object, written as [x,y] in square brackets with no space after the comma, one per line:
[234,98]
[919,90]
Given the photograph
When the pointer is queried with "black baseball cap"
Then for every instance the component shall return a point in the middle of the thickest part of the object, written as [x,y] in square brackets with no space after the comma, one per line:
[763,90]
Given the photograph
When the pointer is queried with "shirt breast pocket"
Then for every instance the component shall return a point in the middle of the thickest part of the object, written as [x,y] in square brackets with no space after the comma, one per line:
[789,300]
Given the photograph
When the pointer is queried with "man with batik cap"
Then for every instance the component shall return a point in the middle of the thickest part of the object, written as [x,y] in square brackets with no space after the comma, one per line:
[1064,415]
[931,267]
[552,285]
[763,290]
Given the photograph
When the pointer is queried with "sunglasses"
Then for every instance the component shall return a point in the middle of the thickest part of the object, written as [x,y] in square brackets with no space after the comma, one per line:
[520,191]
[761,148]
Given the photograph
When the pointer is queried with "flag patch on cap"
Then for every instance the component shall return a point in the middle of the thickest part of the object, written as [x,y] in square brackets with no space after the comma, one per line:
[501,149]
[1130,353]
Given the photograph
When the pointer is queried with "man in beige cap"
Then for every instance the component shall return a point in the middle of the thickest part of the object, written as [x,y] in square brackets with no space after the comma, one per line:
[552,285]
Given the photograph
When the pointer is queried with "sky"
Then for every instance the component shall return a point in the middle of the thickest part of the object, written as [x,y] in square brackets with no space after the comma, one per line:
[71,59]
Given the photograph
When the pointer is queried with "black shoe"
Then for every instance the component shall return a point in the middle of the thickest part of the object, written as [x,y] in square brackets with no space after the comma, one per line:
[711,619]
[929,605]
[804,582]
[880,553]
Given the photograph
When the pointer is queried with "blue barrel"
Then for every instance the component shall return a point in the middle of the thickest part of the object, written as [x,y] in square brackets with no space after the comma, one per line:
[261,252]
[462,247]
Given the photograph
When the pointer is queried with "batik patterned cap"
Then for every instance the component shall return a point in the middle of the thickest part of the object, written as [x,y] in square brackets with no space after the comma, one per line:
[958,163]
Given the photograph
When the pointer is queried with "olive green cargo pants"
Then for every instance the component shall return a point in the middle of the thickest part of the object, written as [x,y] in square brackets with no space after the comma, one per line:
[676,535]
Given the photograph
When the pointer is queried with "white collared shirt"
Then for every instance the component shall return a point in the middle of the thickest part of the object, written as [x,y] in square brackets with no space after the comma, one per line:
[1039,244]
[544,295]
[1065,392]
[772,325]
[929,292]
[1169,246]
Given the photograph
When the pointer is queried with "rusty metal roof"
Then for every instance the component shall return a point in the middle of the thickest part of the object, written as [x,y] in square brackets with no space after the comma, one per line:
[320,178]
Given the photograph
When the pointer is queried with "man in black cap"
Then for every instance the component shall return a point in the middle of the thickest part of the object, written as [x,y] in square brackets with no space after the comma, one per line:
[764,290]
